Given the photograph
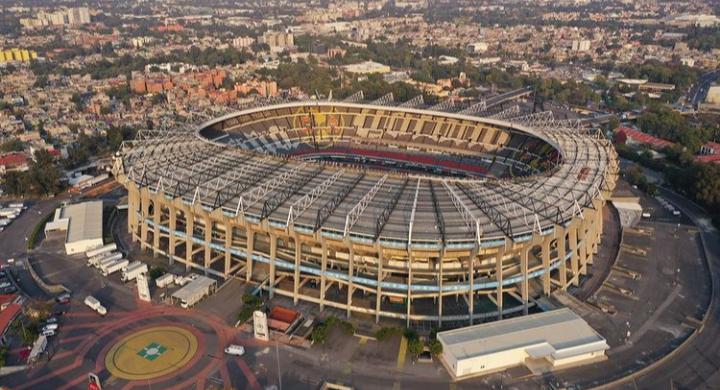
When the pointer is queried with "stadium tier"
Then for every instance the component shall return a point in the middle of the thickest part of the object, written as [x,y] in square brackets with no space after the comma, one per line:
[389,211]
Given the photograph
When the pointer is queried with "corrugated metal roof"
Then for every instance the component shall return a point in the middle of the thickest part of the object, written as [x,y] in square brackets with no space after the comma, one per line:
[561,329]
[197,287]
[86,221]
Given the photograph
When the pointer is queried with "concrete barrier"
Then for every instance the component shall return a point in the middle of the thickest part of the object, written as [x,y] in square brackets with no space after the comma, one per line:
[49,288]
[7,370]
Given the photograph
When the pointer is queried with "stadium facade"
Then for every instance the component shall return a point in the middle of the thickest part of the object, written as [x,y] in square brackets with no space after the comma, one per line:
[391,211]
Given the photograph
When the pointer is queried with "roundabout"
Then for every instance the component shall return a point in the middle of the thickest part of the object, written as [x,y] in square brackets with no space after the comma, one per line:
[151,353]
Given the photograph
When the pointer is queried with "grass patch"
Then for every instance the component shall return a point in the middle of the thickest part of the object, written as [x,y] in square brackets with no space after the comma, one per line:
[109,214]
[250,304]
[321,331]
[37,231]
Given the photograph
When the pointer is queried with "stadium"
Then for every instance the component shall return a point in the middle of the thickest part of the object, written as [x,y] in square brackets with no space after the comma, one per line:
[395,211]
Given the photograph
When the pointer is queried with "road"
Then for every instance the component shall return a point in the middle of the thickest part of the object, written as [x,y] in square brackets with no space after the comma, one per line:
[697,94]
[696,365]
[13,241]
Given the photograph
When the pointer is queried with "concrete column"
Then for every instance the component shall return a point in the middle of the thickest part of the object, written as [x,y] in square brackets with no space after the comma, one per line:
[351,285]
[574,267]
[228,245]
[583,236]
[471,310]
[323,269]
[378,289]
[249,252]
[273,255]
[545,253]
[172,239]
[189,226]
[144,215]
[561,256]
[133,206]
[296,275]
[409,292]
[499,278]
[157,216]
[208,240]
[524,284]
[440,286]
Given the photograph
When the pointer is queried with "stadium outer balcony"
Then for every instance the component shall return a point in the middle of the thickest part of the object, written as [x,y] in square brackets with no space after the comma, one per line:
[440,282]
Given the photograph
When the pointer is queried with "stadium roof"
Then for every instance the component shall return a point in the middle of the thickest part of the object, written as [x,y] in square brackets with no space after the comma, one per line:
[368,206]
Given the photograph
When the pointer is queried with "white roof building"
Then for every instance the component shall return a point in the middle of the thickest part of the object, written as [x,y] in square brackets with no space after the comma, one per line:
[194,291]
[541,342]
[367,67]
[83,223]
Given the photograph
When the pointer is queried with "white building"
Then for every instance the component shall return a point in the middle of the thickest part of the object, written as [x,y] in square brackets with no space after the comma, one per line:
[541,342]
[476,47]
[582,45]
[83,223]
[367,67]
[713,95]
[279,41]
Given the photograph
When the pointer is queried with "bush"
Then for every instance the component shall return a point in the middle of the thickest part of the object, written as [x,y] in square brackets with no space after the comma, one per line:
[3,355]
[320,333]
[250,304]
[435,347]
[156,272]
[37,230]
[346,327]
[415,348]
[386,333]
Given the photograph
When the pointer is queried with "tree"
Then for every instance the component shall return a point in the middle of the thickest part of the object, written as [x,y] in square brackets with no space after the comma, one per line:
[12,145]
[158,98]
[435,347]
[320,333]
[41,81]
[415,348]
[45,175]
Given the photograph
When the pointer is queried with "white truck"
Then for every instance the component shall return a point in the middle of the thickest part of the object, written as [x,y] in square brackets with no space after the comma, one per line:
[133,270]
[101,250]
[165,280]
[94,304]
[104,261]
[10,212]
[181,280]
[114,267]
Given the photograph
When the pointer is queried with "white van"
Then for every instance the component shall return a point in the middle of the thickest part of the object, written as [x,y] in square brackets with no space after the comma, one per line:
[236,350]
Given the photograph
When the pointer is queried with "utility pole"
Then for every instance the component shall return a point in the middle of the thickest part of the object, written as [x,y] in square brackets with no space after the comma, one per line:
[277,356]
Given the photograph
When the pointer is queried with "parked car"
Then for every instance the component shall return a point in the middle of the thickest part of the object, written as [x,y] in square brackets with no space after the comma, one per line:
[63,298]
[51,320]
[59,313]
[236,350]
[9,290]
[48,332]
[50,326]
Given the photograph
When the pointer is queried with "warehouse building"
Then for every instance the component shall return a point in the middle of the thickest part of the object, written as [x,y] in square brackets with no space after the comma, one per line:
[196,290]
[83,223]
[542,342]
